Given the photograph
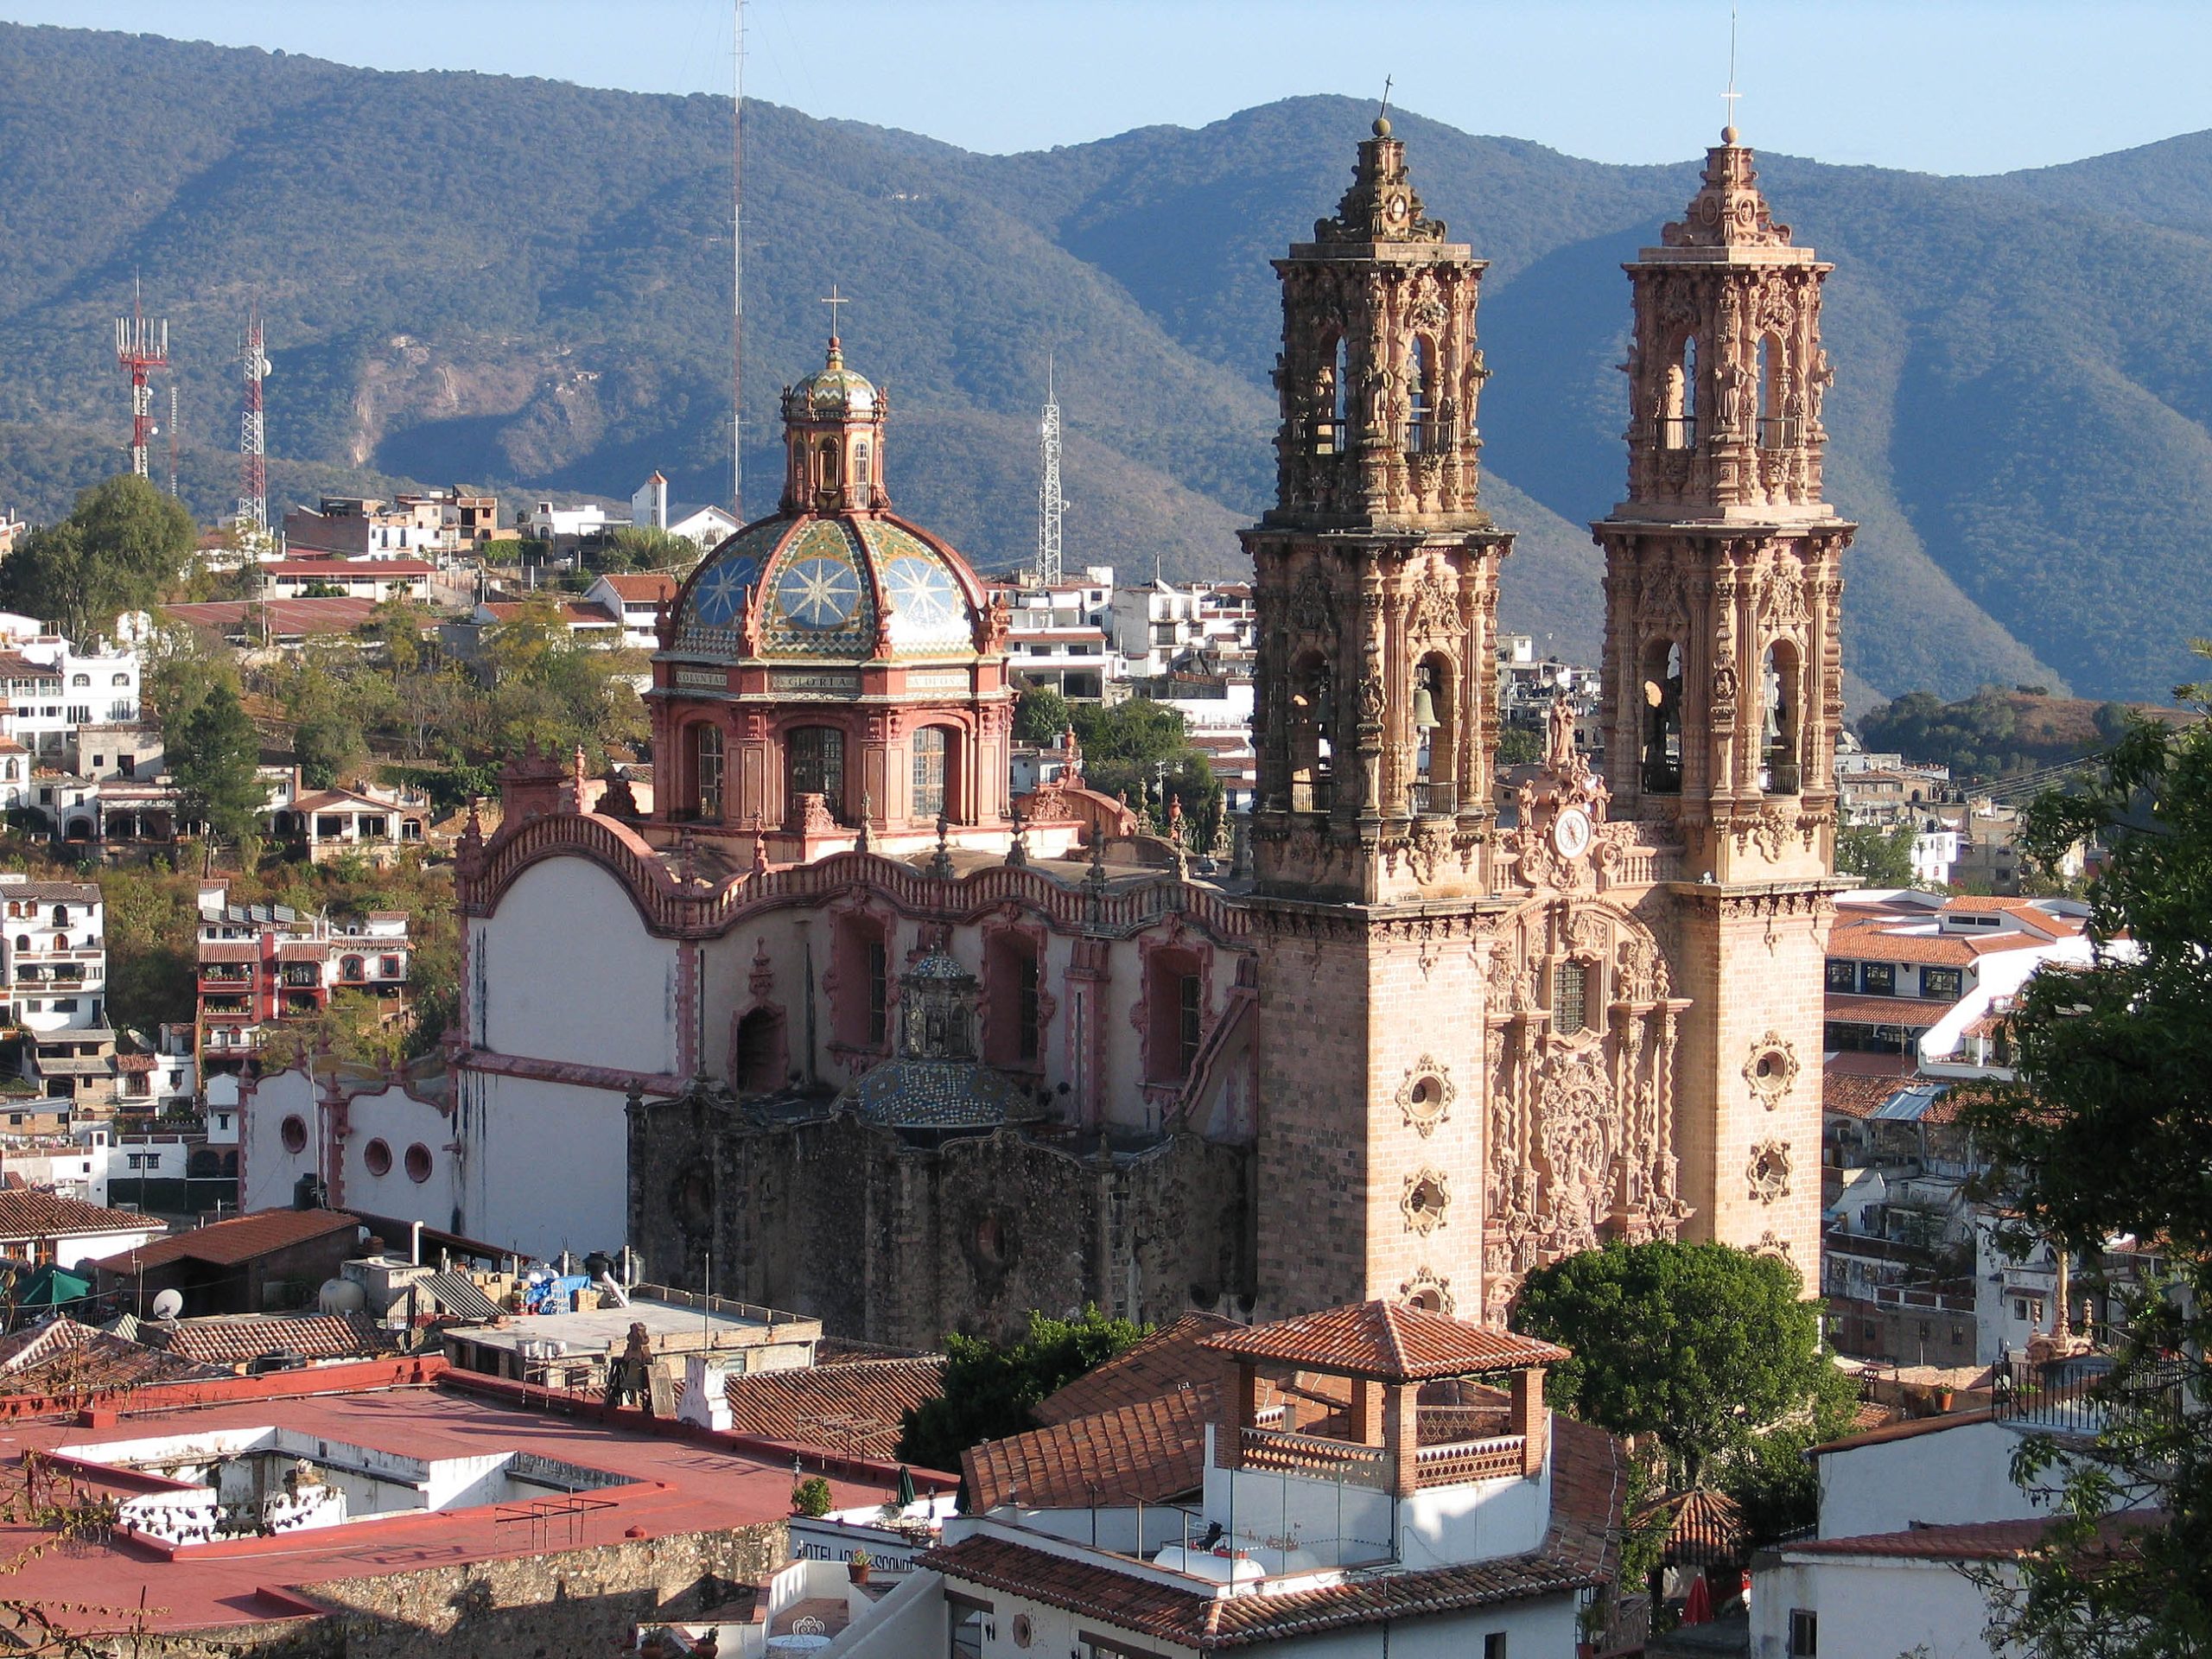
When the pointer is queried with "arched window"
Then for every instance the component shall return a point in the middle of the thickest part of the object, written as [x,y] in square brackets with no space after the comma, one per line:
[829,467]
[1436,733]
[863,477]
[81,679]
[930,748]
[1678,419]
[1175,1015]
[1420,375]
[1779,760]
[1662,717]
[1312,711]
[352,969]
[703,741]
[1329,399]
[1776,429]
[122,679]
[1426,1299]
[815,764]
[759,1063]
[22,941]
[1013,977]
[1570,998]
[861,1003]
[61,915]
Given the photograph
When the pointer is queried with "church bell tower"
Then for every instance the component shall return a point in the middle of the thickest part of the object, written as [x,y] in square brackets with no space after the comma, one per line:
[1375,723]
[1723,684]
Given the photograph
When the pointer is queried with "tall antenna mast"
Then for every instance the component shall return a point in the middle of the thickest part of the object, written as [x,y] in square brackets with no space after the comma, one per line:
[142,346]
[737,270]
[173,490]
[1050,503]
[253,464]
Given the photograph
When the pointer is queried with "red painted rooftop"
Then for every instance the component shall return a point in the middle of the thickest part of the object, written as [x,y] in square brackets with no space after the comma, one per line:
[680,1481]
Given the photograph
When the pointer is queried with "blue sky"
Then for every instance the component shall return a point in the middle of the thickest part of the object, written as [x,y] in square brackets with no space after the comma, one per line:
[1943,86]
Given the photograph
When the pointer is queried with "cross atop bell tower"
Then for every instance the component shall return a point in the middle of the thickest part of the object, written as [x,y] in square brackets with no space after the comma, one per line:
[1376,569]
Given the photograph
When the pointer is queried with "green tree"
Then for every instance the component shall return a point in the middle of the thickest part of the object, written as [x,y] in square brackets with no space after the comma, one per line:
[120,548]
[1039,717]
[1882,857]
[1131,748]
[2105,1130]
[1699,1346]
[1517,746]
[989,1388]
[642,547]
[213,753]
[151,923]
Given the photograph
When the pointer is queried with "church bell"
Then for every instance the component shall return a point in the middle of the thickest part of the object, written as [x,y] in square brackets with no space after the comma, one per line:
[1424,711]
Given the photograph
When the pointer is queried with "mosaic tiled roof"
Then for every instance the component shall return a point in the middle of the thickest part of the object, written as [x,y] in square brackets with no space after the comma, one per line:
[908,1092]
[833,390]
[817,587]
[1387,1341]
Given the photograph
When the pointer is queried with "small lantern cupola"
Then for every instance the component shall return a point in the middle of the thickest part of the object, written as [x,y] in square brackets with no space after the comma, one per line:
[833,439]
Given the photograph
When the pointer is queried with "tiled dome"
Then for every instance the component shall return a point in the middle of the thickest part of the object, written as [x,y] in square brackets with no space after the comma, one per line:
[823,587]
[833,392]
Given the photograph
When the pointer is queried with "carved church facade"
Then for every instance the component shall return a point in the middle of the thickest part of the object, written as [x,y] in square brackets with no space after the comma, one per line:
[1447,1026]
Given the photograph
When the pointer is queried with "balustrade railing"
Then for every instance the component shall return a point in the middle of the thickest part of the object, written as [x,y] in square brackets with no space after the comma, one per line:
[1436,800]
[1495,1457]
[1313,1455]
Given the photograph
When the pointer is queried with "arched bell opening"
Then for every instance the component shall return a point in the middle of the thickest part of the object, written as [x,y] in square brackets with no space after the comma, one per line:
[1662,702]
[1776,429]
[1313,710]
[1436,736]
[1780,770]
[1678,409]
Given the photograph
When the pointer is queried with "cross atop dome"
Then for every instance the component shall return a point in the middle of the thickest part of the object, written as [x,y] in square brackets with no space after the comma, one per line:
[833,300]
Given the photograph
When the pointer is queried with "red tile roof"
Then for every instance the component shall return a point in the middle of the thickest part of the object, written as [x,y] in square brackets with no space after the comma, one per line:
[286,616]
[1145,1452]
[234,1341]
[1913,1011]
[1911,1429]
[1978,1541]
[633,589]
[32,1214]
[1588,1480]
[1850,1095]
[857,1406]
[66,1358]
[1387,1341]
[1170,1358]
[574,613]
[227,1243]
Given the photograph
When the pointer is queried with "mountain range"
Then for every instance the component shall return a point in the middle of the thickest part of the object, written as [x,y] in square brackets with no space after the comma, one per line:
[524,285]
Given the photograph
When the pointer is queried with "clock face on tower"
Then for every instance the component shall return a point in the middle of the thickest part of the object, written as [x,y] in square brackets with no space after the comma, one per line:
[1571,833]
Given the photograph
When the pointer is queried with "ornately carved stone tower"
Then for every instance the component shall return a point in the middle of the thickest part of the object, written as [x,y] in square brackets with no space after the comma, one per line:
[1377,584]
[1723,687]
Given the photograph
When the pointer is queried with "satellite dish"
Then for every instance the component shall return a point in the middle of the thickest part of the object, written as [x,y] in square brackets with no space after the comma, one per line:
[168,1304]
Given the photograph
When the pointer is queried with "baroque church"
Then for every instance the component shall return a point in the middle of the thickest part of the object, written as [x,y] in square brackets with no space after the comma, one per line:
[831,1022]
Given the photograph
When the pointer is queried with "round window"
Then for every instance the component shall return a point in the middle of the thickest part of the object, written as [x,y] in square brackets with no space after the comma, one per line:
[419,1163]
[295,1133]
[377,1156]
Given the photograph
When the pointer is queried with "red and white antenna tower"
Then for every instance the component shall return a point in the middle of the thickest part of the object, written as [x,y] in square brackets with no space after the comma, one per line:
[253,465]
[142,345]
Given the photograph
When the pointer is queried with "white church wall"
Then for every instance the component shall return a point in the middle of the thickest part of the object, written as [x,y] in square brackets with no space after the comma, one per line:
[417,1141]
[564,971]
[268,1167]
[546,1165]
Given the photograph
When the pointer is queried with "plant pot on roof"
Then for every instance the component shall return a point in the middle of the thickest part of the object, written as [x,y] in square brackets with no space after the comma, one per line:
[859,1566]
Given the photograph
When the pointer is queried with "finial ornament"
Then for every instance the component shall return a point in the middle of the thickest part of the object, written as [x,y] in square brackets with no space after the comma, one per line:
[1383,115]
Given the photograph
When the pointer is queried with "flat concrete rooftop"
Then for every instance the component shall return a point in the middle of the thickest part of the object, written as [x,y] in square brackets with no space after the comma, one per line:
[666,1483]
[677,1323]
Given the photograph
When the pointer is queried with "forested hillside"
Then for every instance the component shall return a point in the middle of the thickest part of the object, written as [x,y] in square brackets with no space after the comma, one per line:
[524,285]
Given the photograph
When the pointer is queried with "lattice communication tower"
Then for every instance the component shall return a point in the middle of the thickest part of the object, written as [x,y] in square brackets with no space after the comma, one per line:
[253,465]
[142,345]
[1050,503]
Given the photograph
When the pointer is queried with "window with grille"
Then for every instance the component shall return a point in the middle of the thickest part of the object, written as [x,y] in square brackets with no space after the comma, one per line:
[1026,1006]
[1570,992]
[1804,1634]
[707,770]
[879,990]
[1878,978]
[816,755]
[1193,1007]
[929,772]
[1843,976]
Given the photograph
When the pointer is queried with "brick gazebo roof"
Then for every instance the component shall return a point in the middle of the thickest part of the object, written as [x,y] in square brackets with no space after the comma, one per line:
[1385,1342]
